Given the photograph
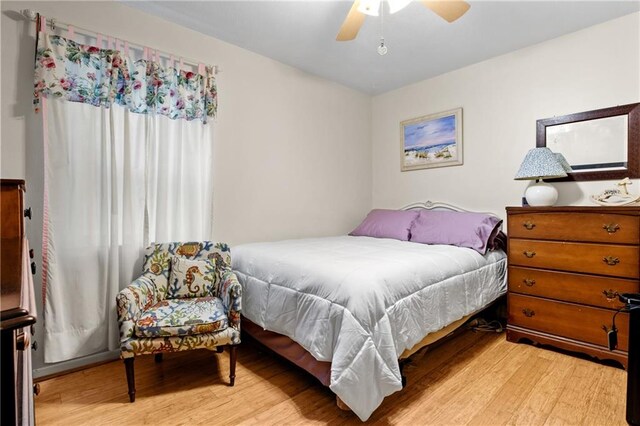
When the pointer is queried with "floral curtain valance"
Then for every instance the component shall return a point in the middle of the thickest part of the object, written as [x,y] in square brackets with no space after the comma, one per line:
[82,73]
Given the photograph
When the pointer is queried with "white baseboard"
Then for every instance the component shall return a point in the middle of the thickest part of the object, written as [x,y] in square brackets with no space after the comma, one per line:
[61,367]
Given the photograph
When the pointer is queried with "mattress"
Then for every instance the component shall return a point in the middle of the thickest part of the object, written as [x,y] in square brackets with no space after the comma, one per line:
[359,302]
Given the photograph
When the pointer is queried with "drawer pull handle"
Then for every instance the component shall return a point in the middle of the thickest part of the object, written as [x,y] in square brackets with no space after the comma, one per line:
[529,225]
[528,312]
[529,282]
[611,228]
[611,260]
[22,342]
[610,294]
[529,254]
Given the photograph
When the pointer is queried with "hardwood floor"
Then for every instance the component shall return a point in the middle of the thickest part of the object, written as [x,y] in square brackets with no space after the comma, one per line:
[478,379]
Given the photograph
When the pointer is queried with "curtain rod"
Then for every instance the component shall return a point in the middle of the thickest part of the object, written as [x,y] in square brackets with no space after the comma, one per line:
[31,16]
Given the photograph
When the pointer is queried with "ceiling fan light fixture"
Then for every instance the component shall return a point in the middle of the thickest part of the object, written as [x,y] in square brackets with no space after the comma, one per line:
[449,10]
[382,49]
[369,7]
[396,5]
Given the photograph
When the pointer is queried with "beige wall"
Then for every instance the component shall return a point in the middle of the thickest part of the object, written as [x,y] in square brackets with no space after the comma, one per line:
[501,99]
[292,153]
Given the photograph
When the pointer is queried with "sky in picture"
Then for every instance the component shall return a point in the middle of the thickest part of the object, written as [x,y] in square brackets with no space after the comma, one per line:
[429,133]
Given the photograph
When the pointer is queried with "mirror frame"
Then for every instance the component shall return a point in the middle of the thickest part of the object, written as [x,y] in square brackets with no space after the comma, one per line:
[633,140]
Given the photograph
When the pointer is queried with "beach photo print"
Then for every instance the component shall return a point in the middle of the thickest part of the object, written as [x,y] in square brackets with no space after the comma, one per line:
[431,141]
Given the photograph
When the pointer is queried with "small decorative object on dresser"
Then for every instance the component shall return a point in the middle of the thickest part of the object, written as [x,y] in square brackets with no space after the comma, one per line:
[567,266]
[538,164]
[617,197]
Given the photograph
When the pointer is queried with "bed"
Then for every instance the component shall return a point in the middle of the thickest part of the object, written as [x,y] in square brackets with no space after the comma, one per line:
[355,305]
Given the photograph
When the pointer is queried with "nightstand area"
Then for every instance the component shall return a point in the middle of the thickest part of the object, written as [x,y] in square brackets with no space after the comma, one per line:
[567,266]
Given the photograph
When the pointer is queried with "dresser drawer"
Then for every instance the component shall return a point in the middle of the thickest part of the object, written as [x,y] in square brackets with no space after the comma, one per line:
[586,324]
[588,227]
[12,224]
[570,287]
[601,259]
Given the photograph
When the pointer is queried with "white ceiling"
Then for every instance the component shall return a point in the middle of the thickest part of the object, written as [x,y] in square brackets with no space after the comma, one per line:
[421,44]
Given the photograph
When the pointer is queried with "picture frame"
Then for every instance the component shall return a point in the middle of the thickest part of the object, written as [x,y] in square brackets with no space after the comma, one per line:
[430,141]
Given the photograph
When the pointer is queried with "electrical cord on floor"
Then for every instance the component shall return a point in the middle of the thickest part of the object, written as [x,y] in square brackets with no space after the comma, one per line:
[481,324]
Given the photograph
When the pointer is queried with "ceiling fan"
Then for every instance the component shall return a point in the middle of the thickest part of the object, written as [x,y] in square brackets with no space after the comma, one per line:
[449,10]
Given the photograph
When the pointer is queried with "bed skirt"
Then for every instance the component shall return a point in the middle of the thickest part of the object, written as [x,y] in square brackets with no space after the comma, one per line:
[321,370]
[290,350]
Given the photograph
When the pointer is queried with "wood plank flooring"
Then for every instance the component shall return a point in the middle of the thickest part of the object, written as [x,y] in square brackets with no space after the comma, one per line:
[478,379]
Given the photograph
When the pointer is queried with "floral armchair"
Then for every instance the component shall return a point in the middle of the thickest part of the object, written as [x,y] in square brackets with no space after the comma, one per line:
[154,318]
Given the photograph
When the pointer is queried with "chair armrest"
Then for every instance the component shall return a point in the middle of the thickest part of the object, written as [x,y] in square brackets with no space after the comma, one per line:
[137,297]
[231,295]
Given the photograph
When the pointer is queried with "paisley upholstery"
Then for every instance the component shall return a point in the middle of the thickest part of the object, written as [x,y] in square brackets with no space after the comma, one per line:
[157,258]
[156,317]
[182,317]
[154,345]
[151,323]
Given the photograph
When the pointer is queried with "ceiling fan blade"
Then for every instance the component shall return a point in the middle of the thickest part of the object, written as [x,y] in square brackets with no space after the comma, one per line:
[352,23]
[449,10]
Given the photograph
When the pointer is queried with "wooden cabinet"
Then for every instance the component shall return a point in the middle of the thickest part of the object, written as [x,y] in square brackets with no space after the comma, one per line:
[567,266]
[17,308]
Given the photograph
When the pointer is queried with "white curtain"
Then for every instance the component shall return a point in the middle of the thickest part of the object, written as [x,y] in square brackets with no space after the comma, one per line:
[180,177]
[115,181]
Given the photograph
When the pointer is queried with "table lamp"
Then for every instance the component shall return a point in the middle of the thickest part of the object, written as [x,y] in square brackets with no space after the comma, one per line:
[563,162]
[538,164]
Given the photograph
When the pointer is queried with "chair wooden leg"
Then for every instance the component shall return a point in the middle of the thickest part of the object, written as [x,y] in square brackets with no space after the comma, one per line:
[158,357]
[128,365]
[233,353]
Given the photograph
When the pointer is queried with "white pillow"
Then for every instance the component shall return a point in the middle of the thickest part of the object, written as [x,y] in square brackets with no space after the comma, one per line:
[190,278]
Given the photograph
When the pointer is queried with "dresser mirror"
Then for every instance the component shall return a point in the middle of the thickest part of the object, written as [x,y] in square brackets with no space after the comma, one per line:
[601,144]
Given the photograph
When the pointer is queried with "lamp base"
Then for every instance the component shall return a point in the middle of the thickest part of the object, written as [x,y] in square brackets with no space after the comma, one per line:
[541,194]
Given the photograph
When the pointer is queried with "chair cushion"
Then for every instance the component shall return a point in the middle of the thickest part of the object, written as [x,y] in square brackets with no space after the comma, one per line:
[190,278]
[182,317]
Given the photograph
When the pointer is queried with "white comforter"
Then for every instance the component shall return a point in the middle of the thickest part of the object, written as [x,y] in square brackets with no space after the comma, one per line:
[359,302]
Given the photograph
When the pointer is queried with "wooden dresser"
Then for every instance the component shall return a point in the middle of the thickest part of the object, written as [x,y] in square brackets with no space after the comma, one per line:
[17,307]
[567,266]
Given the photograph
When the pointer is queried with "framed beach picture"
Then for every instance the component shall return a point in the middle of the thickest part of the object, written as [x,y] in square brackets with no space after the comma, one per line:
[431,141]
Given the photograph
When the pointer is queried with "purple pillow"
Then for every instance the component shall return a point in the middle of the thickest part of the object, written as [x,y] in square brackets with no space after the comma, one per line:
[473,230]
[386,224]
